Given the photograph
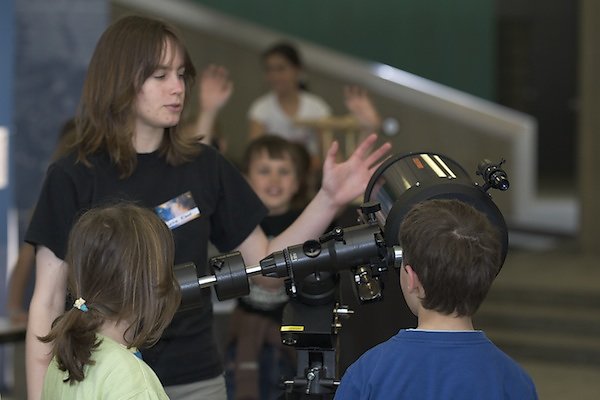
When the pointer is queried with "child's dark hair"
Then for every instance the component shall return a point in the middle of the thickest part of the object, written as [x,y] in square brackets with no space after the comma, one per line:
[454,250]
[291,54]
[120,260]
[278,148]
[287,51]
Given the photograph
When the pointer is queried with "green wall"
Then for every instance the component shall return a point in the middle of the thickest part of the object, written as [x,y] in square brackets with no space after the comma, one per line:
[451,42]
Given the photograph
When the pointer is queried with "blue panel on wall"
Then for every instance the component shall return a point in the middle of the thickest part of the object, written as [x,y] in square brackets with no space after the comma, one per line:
[6,74]
[6,89]
[55,42]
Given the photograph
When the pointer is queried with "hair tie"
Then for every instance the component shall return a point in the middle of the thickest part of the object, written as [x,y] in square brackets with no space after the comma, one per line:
[80,304]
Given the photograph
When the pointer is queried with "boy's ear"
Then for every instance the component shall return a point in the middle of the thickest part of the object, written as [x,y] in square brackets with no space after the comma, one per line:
[413,280]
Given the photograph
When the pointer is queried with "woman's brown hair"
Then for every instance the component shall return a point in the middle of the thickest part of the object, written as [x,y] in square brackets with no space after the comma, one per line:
[120,260]
[128,52]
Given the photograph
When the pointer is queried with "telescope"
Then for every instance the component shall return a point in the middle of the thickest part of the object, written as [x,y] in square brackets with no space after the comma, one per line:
[312,318]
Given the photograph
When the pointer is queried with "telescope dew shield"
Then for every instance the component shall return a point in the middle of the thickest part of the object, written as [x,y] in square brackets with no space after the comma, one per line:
[407,179]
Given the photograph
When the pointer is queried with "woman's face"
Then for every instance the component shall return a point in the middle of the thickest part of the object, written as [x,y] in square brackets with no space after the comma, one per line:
[281,74]
[160,101]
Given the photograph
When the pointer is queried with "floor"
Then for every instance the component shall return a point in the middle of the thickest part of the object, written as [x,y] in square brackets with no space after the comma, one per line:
[559,381]
[564,285]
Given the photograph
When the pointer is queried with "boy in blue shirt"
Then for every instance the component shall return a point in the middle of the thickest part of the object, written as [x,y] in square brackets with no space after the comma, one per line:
[451,255]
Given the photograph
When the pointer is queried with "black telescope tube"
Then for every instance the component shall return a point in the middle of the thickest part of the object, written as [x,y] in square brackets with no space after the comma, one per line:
[354,246]
[404,180]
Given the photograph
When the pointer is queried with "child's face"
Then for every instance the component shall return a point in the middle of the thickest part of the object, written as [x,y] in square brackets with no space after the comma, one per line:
[274,181]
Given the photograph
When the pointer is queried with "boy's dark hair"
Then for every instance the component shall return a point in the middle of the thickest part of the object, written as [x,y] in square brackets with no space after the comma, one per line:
[278,148]
[454,250]
[120,260]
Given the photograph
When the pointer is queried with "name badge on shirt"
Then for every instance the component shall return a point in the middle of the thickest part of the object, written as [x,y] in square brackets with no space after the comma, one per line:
[178,210]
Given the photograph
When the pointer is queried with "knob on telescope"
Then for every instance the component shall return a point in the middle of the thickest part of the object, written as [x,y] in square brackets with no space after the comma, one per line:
[493,175]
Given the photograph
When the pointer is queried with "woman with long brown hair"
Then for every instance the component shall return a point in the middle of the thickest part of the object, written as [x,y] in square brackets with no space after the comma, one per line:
[129,148]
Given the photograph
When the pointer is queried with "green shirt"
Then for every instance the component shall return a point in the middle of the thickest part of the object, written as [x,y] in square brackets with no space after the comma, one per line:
[118,374]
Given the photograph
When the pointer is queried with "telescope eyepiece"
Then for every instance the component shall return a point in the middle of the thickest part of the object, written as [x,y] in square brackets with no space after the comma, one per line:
[493,175]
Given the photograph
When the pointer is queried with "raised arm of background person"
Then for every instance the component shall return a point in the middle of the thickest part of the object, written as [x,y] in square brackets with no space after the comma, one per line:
[359,103]
[214,90]
[47,303]
[342,183]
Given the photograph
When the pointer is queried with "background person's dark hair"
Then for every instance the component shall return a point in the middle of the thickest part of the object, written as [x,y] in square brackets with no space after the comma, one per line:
[290,53]
[454,250]
[278,148]
[120,260]
[285,50]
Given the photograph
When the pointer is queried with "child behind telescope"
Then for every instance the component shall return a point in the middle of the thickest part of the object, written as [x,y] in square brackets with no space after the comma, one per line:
[120,270]
[451,255]
[276,169]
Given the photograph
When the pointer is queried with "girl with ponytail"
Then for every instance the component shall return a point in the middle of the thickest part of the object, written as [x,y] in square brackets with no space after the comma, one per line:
[120,271]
